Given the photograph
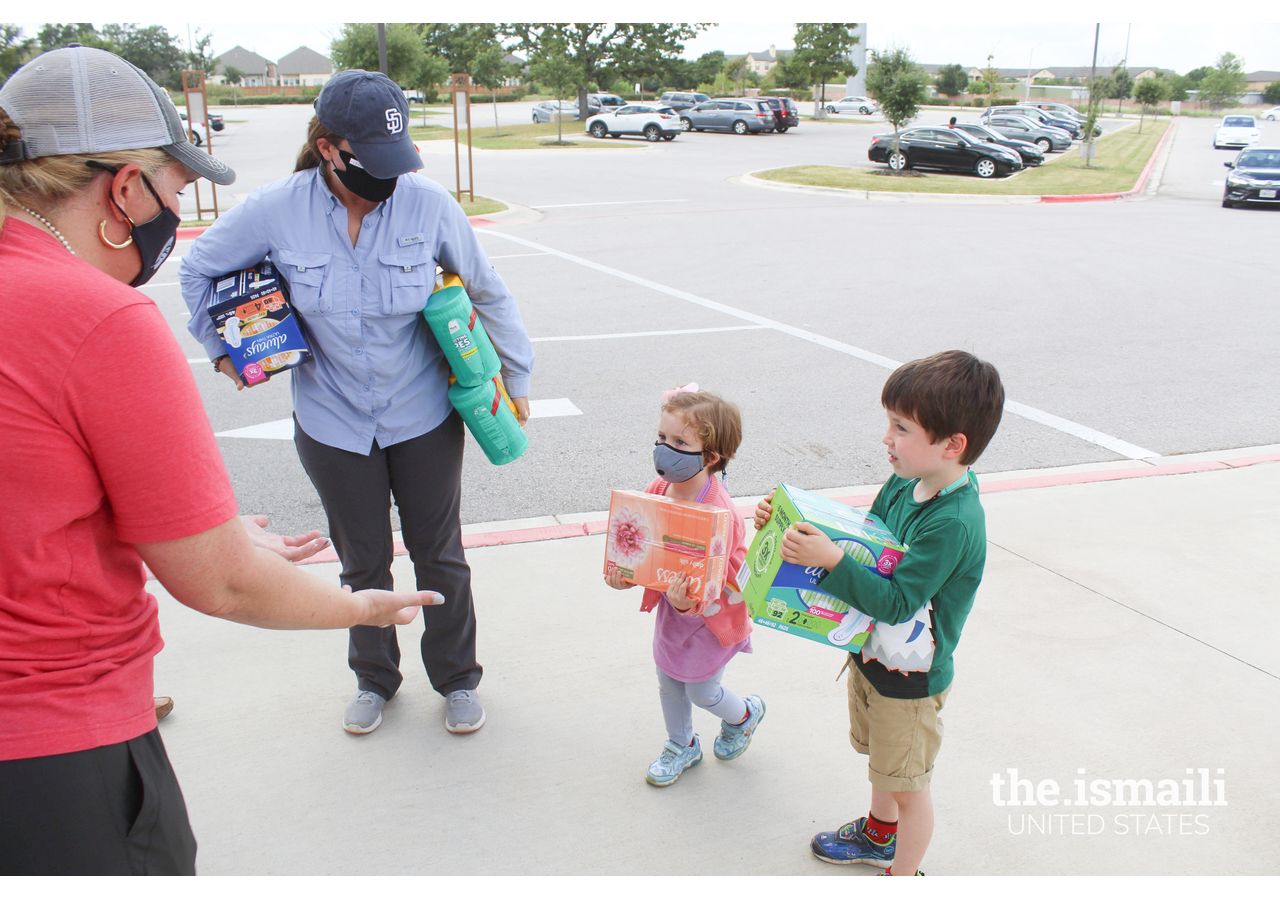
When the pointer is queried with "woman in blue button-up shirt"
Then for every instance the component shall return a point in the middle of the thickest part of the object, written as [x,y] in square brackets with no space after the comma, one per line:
[372,416]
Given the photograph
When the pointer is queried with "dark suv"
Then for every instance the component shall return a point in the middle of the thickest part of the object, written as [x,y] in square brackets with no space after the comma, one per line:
[785,111]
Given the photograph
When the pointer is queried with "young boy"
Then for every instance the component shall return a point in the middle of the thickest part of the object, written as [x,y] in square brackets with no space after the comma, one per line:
[942,410]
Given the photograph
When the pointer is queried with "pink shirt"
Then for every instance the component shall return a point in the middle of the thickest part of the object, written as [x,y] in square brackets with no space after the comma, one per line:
[684,646]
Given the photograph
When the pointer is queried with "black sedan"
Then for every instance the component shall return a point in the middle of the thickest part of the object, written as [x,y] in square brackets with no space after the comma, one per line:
[1031,154]
[1254,178]
[943,148]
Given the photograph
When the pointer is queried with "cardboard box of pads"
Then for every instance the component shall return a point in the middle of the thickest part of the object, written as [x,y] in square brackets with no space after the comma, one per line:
[787,597]
[653,540]
[250,309]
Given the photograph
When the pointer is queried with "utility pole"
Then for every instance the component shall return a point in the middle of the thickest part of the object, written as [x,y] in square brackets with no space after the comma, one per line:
[382,48]
[1087,150]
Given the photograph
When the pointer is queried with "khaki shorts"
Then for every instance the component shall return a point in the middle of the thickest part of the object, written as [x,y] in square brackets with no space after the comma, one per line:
[900,737]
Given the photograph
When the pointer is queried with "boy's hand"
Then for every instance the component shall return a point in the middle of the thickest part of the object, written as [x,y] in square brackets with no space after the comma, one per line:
[804,545]
[764,509]
[615,580]
[677,591]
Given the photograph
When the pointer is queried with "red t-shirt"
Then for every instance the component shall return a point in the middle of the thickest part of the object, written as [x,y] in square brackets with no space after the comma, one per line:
[103,443]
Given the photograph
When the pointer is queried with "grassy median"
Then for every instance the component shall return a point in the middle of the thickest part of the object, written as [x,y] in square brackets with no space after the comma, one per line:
[1120,159]
[520,137]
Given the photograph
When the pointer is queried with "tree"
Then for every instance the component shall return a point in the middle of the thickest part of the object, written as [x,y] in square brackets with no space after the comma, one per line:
[951,80]
[1099,90]
[356,47]
[898,84]
[705,67]
[233,77]
[991,76]
[56,35]
[199,56]
[490,70]
[431,74]
[552,66]
[14,50]
[459,43]
[735,70]
[1149,92]
[600,50]
[1195,76]
[1271,94]
[1119,85]
[822,51]
[1225,82]
[151,48]
[1176,87]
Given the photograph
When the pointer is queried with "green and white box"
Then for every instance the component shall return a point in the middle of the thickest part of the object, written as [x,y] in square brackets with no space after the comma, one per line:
[787,597]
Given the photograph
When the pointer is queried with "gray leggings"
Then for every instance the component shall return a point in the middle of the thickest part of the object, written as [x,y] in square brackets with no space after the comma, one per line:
[679,698]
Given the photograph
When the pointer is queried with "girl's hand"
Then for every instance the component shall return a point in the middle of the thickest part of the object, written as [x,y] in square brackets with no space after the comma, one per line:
[614,580]
[228,368]
[764,509]
[677,594]
[804,545]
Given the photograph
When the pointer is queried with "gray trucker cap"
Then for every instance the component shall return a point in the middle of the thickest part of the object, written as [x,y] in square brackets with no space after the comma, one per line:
[81,100]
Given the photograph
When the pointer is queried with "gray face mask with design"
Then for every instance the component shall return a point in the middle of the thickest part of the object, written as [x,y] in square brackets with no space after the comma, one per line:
[674,465]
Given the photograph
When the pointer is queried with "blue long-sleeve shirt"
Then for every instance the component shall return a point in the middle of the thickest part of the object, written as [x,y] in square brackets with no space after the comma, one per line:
[378,374]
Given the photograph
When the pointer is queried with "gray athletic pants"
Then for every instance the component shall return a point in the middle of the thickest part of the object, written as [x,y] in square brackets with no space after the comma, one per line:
[680,697]
[424,476]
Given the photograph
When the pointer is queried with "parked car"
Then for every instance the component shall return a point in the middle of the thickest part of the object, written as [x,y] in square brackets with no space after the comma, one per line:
[653,122]
[547,109]
[1023,129]
[679,100]
[1030,154]
[1070,125]
[412,95]
[216,121]
[785,111]
[1061,110]
[198,135]
[1272,114]
[739,115]
[599,102]
[1236,131]
[943,148]
[1254,178]
[864,105]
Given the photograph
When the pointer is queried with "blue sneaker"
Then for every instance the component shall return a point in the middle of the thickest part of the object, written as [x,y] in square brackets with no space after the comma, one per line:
[851,845]
[732,740]
[672,762]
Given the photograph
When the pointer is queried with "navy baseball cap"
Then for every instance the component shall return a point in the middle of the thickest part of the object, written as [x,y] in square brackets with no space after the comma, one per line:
[369,110]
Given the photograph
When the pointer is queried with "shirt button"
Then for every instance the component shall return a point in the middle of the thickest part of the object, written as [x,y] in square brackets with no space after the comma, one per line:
[366,388]
[355,312]
[355,268]
[359,351]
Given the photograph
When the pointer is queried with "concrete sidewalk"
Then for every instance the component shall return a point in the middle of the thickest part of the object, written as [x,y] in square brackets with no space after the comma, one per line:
[1126,628]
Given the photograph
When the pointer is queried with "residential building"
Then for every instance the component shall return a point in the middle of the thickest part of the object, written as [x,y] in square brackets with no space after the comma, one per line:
[304,67]
[255,70]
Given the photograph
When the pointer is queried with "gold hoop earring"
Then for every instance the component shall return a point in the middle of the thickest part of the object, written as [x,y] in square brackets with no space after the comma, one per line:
[102,235]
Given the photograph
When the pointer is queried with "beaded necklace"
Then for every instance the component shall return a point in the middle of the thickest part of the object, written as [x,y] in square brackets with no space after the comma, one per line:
[47,224]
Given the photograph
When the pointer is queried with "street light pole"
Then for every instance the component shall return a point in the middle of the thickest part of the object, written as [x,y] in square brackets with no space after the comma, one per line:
[382,48]
[1030,56]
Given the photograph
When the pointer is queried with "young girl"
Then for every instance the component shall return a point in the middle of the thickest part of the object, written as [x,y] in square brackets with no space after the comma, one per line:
[698,433]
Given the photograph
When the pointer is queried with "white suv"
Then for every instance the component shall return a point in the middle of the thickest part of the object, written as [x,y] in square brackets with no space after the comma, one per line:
[864,105]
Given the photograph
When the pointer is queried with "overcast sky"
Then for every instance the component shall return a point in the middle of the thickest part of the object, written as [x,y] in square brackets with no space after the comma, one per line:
[933,31]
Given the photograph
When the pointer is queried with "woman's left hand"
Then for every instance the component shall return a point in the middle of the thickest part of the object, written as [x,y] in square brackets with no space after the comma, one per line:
[522,409]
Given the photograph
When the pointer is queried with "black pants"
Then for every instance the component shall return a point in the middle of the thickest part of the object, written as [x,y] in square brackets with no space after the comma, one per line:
[424,475]
[114,810]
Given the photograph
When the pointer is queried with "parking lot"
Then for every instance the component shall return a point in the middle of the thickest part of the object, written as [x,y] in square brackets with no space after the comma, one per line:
[1119,327]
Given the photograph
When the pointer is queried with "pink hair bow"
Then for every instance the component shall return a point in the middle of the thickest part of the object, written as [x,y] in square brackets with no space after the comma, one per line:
[690,388]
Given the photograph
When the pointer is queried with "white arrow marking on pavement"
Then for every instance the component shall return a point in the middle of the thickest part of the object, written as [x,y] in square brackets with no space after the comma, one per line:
[1085,433]
[282,429]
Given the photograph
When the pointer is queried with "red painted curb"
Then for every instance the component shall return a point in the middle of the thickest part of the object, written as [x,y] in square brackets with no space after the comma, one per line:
[1136,189]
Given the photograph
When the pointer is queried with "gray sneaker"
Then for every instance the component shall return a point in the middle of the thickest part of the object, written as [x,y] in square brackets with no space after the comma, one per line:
[463,713]
[364,713]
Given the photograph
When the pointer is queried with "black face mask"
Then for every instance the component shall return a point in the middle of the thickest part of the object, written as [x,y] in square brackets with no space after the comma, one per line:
[155,237]
[359,182]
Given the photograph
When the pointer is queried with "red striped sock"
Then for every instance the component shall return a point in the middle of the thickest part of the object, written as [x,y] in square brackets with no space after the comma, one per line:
[879,832]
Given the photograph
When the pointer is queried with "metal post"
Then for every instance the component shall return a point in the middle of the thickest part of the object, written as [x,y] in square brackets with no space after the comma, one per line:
[1030,56]
[198,111]
[382,48]
[1087,150]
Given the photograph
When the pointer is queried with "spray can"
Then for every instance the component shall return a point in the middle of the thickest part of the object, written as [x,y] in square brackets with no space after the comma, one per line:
[460,333]
[490,415]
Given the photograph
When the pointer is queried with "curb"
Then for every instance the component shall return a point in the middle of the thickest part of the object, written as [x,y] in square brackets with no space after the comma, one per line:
[592,525]
[1123,195]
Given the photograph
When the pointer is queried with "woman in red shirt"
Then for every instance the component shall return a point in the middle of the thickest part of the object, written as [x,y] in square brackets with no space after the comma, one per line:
[96,398]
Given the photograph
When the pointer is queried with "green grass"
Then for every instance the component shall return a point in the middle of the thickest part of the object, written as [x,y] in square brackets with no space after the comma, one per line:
[195,223]
[519,137]
[1120,159]
[482,206]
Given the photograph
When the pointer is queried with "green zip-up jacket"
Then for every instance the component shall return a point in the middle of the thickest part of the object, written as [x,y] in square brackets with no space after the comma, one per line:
[921,610]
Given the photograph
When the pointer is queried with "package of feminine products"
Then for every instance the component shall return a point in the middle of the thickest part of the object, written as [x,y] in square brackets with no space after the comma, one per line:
[653,540]
[257,326]
[786,597]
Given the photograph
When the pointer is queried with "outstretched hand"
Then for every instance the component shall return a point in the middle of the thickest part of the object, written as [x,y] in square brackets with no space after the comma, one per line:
[387,608]
[295,549]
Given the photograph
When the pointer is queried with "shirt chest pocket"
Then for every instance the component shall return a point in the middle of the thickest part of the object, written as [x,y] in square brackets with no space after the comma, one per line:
[310,287]
[408,279]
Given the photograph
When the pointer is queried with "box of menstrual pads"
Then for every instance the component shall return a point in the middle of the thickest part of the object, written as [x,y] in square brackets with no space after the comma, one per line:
[258,328]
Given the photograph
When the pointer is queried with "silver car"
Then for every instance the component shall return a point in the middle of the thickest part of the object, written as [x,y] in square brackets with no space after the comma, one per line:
[864,105]
[1023,129]
[546,111]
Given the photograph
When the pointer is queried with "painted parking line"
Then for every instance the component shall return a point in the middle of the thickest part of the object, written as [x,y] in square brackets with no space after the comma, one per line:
[282,429]
[1091,435]
[645,334]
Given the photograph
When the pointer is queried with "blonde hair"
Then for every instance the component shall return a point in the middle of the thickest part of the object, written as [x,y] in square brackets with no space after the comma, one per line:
[309,156]
[716,421]
[48,180]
